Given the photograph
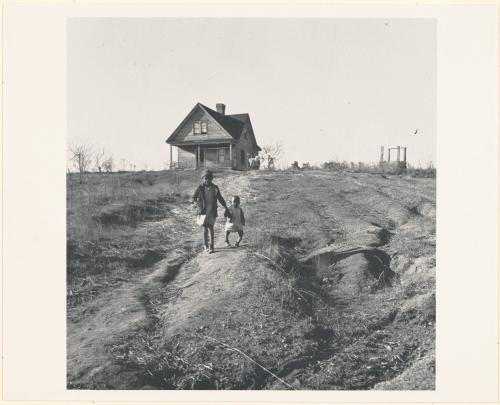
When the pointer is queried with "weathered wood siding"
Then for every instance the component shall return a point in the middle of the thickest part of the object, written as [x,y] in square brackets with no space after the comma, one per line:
[251,137]
[215,132]
[242,149]
[246,145]
[187,158]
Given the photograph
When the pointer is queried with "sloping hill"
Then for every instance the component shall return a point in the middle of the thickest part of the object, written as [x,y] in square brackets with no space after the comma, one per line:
[332,288]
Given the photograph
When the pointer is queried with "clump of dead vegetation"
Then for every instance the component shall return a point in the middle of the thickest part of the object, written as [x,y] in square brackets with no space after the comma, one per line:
[359,167]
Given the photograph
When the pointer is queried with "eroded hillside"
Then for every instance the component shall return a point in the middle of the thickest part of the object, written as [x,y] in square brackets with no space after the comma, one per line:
[332,288]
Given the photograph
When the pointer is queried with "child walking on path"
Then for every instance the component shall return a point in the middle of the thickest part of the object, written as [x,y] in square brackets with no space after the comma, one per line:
[206,196]
[235,221]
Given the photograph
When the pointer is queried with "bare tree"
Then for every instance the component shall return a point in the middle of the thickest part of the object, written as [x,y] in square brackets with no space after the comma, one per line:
[99,159]
[271,153]
[108,164]
[81,156]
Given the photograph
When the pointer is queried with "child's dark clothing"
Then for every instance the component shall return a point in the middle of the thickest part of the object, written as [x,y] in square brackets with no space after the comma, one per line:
[206,197]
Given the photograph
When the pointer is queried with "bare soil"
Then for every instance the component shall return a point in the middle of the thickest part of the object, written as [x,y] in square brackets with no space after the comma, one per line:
[332,288]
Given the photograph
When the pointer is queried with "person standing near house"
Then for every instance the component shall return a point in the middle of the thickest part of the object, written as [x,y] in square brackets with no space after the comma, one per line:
[206,196]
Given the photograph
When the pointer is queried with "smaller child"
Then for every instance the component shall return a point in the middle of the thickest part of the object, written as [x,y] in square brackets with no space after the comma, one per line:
[235,220]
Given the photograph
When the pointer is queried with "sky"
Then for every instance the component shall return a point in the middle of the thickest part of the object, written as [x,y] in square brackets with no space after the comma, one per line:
[327,89]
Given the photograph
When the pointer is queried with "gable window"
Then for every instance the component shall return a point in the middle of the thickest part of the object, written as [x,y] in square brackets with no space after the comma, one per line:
[200,127]
[197,127]
[245,133]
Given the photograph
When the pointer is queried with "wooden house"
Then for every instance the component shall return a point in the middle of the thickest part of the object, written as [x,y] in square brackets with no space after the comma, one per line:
[208,138]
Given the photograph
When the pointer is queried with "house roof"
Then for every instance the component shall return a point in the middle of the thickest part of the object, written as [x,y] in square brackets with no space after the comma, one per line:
[240,117]
[245,118]
[232,124]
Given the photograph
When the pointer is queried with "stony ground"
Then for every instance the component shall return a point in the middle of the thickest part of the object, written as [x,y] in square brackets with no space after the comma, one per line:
[332,288]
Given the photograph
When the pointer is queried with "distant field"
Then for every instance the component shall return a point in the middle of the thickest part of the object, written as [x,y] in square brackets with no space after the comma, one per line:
[332,288]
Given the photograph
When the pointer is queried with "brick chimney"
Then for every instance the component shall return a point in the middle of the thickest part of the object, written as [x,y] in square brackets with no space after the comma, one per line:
[221,108]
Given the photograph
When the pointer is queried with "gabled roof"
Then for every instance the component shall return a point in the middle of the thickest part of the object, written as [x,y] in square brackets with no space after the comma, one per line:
[183,122]
[245,118]
[241,117]
[232,124]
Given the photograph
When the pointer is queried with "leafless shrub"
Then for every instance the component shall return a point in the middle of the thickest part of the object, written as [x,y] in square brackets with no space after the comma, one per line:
[335,165]
[273,150]
[99,159]
[108,164]
[270,154]
[81,156]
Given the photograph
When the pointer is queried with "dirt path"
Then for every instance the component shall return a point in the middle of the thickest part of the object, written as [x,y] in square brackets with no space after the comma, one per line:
[125,310]
[324,309]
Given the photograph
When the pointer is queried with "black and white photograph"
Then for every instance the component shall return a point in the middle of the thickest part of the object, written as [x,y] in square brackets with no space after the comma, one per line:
[251,204]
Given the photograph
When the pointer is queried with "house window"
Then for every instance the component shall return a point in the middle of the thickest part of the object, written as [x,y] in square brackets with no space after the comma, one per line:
[242,157]
[221,154]
[200,127]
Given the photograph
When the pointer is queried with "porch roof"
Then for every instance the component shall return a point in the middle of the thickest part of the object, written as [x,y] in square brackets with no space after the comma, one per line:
[225,142]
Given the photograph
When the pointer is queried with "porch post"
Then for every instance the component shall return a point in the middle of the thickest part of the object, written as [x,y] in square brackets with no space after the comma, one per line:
[399,150]
[198,157]
[389,154]
[231,154]
[404,154]
[171,163]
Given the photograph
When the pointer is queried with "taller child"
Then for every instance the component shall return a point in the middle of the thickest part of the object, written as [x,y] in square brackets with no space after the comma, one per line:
[206,196]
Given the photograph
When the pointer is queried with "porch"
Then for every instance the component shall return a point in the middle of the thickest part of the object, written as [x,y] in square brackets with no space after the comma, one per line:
[205,156]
